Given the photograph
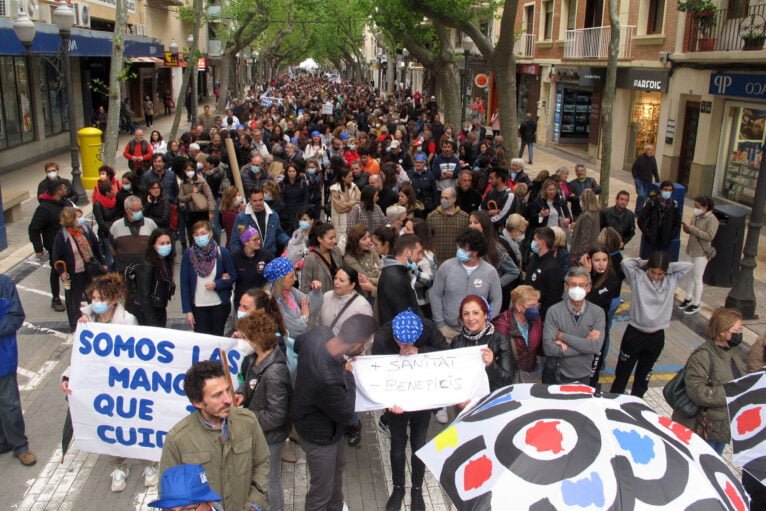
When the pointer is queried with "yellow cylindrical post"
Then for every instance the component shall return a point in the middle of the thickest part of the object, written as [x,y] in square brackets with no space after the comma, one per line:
[89,140]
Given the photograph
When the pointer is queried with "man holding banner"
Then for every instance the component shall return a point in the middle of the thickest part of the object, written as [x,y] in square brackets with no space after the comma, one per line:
[408,334]
[227,441]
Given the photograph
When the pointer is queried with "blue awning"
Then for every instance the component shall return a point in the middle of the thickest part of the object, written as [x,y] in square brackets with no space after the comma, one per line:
[83,42]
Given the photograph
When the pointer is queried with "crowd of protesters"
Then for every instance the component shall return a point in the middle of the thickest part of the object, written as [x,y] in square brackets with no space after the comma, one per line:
[361,216]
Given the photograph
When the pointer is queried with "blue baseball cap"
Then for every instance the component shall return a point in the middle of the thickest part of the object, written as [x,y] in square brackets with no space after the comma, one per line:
[421,157]
[345,136]
[315,133]
[407,327]
[184,485]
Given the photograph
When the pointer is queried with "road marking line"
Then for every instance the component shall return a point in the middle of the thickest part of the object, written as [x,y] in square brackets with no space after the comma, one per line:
[25,372]
[37,377]
[33,290]
[58,481]
[49,331]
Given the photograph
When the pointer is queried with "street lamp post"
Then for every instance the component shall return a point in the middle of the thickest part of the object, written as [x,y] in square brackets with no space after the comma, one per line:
[466,43]
[63,17]
[742,295]
[405,55]
[193,77]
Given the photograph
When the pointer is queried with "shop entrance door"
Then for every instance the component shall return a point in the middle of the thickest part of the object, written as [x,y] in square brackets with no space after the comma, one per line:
[688,141]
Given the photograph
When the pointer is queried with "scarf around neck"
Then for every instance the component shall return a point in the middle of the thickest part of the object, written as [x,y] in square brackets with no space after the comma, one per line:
[203,259]
[78,234]
[475,336]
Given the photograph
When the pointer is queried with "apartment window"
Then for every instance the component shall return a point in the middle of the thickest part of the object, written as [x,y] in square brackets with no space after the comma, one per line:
[737,9]
[529,22]
[486,28]
[571,6]
[548,27]
[655,17]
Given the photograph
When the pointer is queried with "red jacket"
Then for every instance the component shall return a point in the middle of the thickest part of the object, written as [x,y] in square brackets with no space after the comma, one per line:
[524,352]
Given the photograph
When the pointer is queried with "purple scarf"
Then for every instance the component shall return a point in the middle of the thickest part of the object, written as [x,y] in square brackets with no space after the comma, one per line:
[203,259]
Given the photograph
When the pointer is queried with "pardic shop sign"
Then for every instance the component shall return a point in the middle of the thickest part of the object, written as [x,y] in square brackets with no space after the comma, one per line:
[738,85]
[655,80]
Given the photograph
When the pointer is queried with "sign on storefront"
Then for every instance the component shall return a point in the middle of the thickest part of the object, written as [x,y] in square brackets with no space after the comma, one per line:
[738,85]
[654,80]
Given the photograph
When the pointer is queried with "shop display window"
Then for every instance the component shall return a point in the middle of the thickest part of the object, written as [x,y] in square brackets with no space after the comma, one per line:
[744,154]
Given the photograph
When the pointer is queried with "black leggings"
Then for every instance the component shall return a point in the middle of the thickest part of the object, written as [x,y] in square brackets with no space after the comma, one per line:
[397,424]
[73,297]
[640,350]
[211,320]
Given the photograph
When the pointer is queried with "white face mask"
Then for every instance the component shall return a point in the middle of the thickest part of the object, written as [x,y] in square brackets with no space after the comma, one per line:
[577,294]
[190,174]
[698,211]
[52,174]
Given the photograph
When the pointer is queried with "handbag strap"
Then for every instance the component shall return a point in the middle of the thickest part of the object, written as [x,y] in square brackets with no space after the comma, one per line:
[342,310]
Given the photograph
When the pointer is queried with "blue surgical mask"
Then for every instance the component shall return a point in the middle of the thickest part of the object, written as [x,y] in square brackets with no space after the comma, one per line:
[99,307]
[513,176]
[202,241]
[255,170]
[82,221]
[532,314]
[311,171]
[127,187]
[534,247]
[446,204]
[304,225]
[462,255]
[267,197]
[138,215]
[163,250]
[412,266]
[241,314]
[666,194]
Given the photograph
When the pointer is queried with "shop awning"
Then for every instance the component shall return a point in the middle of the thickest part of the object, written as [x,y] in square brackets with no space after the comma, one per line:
[144,60]
[83,42]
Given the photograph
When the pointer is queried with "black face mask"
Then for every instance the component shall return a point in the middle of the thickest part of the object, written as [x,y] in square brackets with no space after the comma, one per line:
[736,340]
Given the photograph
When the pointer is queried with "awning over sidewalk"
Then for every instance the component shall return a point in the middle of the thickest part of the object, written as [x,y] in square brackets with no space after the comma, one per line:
[83,43]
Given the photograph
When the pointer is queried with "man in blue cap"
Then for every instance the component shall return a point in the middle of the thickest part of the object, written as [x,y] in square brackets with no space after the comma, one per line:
[407,334]
[185,488]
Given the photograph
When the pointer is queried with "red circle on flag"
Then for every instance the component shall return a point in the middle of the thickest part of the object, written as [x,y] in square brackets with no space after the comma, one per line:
[481,80]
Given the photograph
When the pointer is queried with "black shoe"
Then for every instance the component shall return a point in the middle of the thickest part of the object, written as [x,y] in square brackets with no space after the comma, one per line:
[354,437]
[691,310]
[57,305]
[683,305]
[395,500]
[416,500]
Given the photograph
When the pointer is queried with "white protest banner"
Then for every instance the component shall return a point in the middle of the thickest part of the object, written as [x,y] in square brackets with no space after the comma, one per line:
[419,382]
[127,384]
[327,108]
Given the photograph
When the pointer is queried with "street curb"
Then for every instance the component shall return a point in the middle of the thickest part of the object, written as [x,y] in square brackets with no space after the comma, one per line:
[749,336]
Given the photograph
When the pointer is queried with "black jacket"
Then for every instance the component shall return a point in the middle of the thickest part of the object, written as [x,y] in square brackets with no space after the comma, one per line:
[63,251]
[154,288]
[659,221]
[645,168]
[534,208]
[249,271]
[468,201]
[159,211]
[42,187]
[430,340]
[386,198]
[295,196]
[606,292]
[325,393]
[623,222]
[268,392]
[45,224]
[528,131]
[545,274]
[501,371]
[395,293]
[105,217]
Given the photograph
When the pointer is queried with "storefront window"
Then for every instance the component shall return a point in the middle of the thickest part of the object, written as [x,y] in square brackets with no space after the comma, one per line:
[573,108]
[16,117]
[53,96]
[744,155]
[644,123]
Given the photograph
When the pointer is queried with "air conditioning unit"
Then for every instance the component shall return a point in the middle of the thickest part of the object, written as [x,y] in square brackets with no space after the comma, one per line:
[33,10]
[81,14]
[140,29]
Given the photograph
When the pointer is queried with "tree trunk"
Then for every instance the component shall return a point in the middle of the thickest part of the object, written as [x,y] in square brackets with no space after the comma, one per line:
[115,70]
[226,69]
[191,67]
[607,102]
[448,91]
[391,71]
[505,76]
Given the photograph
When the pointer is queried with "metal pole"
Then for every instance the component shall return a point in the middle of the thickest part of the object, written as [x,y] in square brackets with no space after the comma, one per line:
[742,296]
[74,151]
[194,76]
[464,87]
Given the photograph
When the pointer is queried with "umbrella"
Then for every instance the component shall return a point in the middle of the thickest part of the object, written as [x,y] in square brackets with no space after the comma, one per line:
[746,401]
[546,448]
[66,434]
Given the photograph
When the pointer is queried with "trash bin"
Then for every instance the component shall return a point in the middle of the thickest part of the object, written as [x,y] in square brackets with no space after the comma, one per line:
[679,194]
[89,140]
[722,269]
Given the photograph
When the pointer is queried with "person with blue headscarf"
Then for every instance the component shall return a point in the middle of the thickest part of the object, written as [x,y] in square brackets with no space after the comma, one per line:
[407,334]
[298,309]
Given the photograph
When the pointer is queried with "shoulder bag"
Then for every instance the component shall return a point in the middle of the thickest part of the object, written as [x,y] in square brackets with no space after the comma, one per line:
[676,396]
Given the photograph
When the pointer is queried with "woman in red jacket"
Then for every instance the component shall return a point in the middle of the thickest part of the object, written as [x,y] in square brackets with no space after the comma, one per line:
[522,325]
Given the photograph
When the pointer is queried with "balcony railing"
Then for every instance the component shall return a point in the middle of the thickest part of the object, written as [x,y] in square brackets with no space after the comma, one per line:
[723,29]
[593,43]
[525,48]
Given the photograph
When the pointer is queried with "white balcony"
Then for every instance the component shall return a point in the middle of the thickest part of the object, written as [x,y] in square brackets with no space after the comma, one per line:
[525,46]
[593,43]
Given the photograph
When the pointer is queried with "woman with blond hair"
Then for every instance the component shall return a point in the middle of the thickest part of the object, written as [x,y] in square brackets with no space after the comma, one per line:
[708,368]
[523,327]
[587,227]
[77,258]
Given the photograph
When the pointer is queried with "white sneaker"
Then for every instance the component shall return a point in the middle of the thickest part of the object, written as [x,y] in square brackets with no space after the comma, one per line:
[119,479]
[441,416]
[151,475]
[345,507]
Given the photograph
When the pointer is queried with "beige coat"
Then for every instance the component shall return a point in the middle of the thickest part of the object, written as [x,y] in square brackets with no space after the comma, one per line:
[701,233]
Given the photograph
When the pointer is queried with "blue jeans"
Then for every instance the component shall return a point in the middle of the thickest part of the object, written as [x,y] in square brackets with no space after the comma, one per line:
[531,146]
[717,446]
[12,436]
[642,190]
